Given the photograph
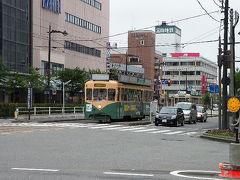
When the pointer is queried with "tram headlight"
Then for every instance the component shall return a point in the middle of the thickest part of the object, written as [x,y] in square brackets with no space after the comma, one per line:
[99,106]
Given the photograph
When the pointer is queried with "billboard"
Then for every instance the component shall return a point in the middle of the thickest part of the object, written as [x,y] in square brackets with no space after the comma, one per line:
[204,84]
[185,54]
[164,29]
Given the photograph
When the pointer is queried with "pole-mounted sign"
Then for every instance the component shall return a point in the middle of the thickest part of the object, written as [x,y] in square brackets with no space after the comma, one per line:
[233,104]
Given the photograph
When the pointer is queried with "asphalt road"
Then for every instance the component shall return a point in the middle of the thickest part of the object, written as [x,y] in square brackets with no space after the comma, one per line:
[88,151]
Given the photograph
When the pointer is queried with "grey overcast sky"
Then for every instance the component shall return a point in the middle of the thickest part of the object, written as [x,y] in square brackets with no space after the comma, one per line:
[128,15]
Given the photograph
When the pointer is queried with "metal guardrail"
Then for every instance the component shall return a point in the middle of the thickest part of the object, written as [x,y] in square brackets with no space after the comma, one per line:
[49,111]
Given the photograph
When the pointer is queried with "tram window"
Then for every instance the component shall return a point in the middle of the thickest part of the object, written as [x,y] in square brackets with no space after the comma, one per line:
[118,94]
[131,95]
[111,94]
[124,94]
[100,94]
[89,94]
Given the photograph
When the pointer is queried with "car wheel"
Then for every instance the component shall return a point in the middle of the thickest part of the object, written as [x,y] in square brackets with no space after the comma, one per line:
[176,123]
[190,121]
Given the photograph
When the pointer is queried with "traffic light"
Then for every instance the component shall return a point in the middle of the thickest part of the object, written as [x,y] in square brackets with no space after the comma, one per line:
[169,82]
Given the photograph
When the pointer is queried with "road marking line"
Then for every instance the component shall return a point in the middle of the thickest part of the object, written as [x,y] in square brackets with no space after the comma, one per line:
[101,127]
[174,132]
[27,131]
[116,128]
[130,129]
[33,169]
[176,173]
[128,174]
[145,130]
[5,133]
[189,133]
[162,131]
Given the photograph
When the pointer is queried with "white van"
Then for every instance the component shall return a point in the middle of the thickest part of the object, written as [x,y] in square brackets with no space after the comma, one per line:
[189,110]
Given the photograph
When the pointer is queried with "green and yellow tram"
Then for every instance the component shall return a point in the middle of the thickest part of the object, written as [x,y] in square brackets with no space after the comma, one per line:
[109,100]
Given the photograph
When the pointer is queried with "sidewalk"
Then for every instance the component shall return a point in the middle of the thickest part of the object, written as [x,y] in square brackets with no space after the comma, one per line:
[44,118]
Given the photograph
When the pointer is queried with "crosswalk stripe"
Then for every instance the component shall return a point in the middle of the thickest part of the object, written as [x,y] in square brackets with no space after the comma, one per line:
[174,132]
[130,129]
[156,132]
[145,130]
[101,127]
[116,128]
[189,133]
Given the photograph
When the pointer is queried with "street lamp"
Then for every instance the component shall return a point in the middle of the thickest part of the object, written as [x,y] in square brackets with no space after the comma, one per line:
[49,56]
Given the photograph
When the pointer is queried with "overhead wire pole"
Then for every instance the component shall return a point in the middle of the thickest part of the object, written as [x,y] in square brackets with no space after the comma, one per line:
[220,84]
[225,48]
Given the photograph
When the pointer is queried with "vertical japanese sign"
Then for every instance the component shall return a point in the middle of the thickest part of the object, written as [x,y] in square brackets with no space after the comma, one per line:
[204,84]
[29,98]
[108,56]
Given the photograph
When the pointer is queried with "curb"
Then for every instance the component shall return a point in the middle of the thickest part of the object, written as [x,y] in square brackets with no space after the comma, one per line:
[218,138]
[133,123]
[46,121]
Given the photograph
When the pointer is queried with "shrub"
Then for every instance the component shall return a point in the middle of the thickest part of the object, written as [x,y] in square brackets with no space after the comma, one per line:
[221,132]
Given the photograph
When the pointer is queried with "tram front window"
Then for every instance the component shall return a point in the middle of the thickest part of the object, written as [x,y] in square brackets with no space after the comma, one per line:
[89,94]
[100,94]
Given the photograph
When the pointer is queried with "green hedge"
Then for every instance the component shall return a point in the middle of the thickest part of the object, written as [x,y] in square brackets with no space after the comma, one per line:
[7,109]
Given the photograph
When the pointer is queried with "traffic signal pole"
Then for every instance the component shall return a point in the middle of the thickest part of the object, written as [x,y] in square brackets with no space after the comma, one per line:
[225,48]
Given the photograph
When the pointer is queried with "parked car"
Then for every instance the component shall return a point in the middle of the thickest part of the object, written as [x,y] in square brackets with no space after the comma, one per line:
[215,107]
[201,114]
[189,110]
[170,116]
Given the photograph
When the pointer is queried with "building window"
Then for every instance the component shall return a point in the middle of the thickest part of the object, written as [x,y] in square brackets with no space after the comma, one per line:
[53,5]
[93,3]
[134,59]
[82,49]
[82,23]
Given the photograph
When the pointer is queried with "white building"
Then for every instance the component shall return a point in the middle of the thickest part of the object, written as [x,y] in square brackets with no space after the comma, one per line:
[187,67]
[168,39]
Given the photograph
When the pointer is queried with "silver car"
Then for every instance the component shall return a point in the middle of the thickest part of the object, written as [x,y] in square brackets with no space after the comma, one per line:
[201,114]
[189,110]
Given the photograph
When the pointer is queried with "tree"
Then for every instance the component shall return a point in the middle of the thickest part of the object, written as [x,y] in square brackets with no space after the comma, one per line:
[113,74]
[77,78]
[16,82]
[37,81]
[206,99]
[3,73]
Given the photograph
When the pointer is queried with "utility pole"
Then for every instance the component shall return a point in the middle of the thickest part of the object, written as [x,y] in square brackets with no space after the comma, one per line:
[186,81]
[49,63]
[232,91]
[126,62]
[225,48]
[220,84]
[232,68]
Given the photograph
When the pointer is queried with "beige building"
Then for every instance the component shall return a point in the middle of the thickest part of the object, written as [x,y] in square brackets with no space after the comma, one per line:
[87,25]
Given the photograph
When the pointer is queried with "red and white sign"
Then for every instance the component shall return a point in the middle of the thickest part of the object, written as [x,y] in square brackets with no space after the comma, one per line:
[204,84]
[185,54]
